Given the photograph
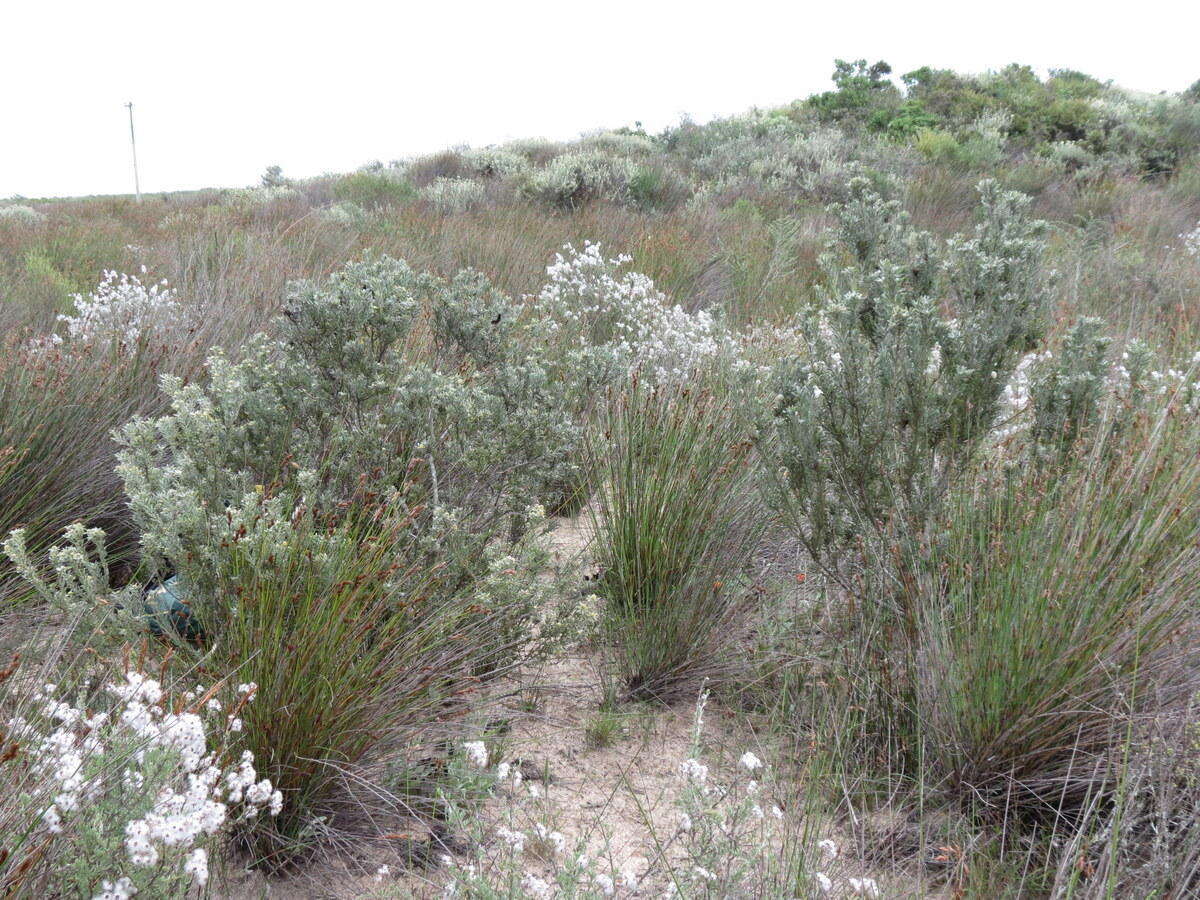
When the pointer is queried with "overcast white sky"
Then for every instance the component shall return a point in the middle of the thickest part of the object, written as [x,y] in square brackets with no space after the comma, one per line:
[223,89]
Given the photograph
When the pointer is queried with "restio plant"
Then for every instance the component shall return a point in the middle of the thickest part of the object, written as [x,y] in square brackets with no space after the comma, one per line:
[677,523]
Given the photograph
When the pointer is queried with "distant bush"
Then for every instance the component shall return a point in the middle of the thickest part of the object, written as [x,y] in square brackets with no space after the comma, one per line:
[273,177]
[578,177]
[453,195]
[20,214]
[862,90]
[494,162]
[657,186]
[426,169]
[373,189]
[938,146]
[621,143]
[345,213]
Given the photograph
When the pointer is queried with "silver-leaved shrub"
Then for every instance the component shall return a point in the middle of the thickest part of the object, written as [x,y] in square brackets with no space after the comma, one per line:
[908,353]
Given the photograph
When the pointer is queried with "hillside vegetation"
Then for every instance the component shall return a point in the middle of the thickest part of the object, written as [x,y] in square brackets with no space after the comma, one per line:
[851,445]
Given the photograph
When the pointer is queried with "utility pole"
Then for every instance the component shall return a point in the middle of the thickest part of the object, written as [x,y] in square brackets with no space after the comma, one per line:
[137,187]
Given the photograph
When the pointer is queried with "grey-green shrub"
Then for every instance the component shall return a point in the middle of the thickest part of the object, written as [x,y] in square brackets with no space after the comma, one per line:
[579,176]
[495,162]
[453,195]
[351,514]
[343,402]
[21,214]
[907,354]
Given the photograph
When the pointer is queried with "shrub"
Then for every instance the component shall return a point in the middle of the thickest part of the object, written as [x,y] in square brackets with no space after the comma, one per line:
[117,790]
[599,323]
[906,361]
[495,162]
[938,146]
[273,177]
[575,178]
[122,310]
[655,186]
[453,195]
[861,90]
[676,525]
[20,214]
[373,189]
[347,514]
[343,402]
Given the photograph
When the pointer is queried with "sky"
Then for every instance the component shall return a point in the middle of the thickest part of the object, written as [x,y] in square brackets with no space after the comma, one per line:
[223,89]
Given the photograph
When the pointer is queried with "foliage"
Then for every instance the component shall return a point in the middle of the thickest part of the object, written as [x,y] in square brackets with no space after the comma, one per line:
[1047,615]
[905,363]
[575,178]
[115,791]
[372,189]
[676,526]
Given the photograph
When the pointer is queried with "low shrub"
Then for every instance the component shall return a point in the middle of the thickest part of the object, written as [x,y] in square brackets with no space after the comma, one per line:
[120,788]
[575,178]
[371,190]
[453,195]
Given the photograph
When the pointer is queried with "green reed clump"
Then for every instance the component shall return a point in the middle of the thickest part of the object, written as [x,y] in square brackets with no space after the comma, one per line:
[58,408]
[677,523]
[1050,608]
[363,655]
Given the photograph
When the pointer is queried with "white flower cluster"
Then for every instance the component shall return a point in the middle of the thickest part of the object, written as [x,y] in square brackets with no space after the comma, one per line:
[1191,240]
[588,302]
[123,308]
[155,763]
[1149,382]
[1015,398]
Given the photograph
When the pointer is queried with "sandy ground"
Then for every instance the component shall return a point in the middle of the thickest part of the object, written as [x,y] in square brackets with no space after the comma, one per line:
[619,800]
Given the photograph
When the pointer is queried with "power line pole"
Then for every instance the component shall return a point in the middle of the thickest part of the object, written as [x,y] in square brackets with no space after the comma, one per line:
[137,187]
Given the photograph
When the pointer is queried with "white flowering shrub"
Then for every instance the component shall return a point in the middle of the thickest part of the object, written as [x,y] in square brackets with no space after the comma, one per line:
[454,195]
[20,214]
[125,791]
[124,309]
[338,398]
[344,473]
[605,321]
[579,176]
[895,393]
